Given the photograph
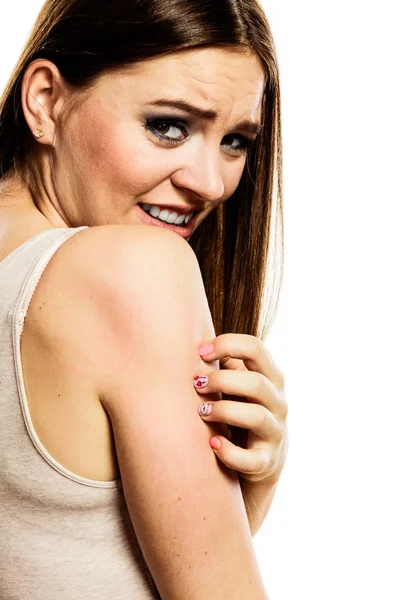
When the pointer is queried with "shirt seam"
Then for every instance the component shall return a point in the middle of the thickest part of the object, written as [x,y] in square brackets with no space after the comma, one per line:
[40,265]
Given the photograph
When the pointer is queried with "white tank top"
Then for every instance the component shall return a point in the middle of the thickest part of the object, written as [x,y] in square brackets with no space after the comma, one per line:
[62,536]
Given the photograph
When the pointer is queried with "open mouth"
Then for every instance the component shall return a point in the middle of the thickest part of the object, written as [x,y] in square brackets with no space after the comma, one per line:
[160,214]
[168,216]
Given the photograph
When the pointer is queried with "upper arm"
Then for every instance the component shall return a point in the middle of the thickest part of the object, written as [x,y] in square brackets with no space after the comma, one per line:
[185,505]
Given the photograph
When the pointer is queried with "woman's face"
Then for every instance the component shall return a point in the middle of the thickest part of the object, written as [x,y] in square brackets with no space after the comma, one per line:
[123,145]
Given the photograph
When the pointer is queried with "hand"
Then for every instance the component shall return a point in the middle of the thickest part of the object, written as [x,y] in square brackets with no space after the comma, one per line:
[249,372]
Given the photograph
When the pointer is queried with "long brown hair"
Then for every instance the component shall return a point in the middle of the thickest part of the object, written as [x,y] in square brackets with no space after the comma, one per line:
[239,246]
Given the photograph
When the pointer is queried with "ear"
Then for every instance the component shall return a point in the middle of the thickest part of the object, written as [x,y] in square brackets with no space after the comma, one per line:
[43,94]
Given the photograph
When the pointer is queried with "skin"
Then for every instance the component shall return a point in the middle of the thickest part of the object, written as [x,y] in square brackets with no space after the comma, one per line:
[98,165]
[100,162]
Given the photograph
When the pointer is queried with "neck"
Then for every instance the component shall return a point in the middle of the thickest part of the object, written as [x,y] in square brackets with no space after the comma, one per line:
[16,199]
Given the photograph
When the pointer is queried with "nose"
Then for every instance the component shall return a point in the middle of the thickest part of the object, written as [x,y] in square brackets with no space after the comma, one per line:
[201,174]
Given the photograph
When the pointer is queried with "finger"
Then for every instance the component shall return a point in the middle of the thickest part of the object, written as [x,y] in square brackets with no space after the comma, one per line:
[253,464]
[248,384]
[248,348]
[253,417]
[234,364]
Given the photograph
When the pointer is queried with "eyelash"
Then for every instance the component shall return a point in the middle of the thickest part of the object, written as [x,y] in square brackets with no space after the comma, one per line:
[168,122]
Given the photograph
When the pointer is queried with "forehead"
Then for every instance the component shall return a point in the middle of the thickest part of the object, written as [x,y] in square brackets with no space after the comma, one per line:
[219,79]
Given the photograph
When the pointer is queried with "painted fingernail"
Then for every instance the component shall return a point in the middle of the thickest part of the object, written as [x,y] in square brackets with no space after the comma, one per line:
[206,349]
[215,443]
[205,410]
[201,381]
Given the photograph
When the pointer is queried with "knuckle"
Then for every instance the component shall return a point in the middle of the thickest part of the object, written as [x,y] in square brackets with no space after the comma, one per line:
[280,431]
[262,385]
[248,469]
[281,378]
[285,409]
[262,418]
[263,463]
[260,345]
[261,348]
[270,462]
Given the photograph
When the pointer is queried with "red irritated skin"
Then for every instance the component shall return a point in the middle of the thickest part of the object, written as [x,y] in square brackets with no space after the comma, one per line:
[184,231]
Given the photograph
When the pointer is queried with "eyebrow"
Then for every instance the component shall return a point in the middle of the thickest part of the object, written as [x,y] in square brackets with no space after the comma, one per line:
[210,115]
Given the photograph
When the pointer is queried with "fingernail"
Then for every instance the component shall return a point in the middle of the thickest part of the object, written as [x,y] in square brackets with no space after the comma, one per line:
[201,381]
[206,349]
[205,409]
[215,443]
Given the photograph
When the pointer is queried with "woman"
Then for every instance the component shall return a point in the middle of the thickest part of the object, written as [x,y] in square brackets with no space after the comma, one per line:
[121,115]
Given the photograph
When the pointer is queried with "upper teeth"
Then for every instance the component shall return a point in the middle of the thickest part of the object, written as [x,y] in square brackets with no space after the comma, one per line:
[166,215]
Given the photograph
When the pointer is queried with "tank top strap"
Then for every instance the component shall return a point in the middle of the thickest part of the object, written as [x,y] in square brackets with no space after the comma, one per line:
[21,270]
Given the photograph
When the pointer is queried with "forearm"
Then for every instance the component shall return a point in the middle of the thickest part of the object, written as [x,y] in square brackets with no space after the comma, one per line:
[257,499]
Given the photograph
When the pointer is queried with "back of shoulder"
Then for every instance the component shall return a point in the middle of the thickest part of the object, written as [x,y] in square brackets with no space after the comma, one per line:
[148,314]
[136,277]
[112,256]
[120,246]
[107,275]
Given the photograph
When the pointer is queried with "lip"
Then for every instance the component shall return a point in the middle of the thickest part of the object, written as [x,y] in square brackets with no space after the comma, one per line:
[181,210]
[184,232]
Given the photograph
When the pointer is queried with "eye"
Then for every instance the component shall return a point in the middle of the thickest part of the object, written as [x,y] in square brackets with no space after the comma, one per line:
[159,127]
[240,144]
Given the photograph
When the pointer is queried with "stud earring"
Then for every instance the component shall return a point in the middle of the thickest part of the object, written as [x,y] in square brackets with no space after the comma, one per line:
[38,133]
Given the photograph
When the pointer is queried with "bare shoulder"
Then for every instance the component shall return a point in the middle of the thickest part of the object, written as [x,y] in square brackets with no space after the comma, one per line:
[98,270]
[109,255]
[151,314]
[135,263]
[115,245]
[145,314]
[108,282]
[114,260]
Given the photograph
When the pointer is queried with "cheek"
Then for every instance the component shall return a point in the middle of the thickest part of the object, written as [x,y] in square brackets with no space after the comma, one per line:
[116,163]
[232,176]
[115,157]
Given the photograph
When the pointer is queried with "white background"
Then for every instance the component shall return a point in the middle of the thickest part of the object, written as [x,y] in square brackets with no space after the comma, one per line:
[333,529]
